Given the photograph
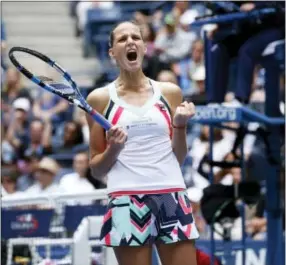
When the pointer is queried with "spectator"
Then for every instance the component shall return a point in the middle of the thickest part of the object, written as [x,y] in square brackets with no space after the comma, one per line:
[149,36]
[199,96]
[185,69]
[28,166]
[141,17]
[167,76]
[44,176]
[151,62]
[52,107]
[12,90]
[200,151]
[187,18]
[80,118]
[250,40]
[72,136]
[156,20]
[179,9]
[8,181]
[197,57]
[39,138]
[17,133]
[185,21]
[77,181]
[82,8]
[167,42]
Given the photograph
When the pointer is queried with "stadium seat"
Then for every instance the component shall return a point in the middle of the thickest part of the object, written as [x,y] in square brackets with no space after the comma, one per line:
[65,160]
[148,7]
[56,252]
[80,148]
[98,21]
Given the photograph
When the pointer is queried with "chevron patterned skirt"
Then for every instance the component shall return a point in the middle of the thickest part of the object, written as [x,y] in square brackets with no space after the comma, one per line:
[137,220]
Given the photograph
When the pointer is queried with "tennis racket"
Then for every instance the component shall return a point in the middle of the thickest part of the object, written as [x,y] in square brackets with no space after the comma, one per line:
[57,81]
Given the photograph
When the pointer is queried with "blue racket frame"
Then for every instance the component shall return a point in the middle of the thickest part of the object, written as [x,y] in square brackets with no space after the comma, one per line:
[78,100]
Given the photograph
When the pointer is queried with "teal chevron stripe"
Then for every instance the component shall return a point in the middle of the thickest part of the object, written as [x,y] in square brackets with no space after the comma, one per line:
[138,220]
[167,239]
[140,212]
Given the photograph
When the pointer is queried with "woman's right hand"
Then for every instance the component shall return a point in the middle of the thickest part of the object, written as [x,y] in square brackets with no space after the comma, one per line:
[116,138]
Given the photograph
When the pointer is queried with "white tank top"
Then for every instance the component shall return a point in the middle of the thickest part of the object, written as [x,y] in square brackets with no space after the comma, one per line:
[147,163]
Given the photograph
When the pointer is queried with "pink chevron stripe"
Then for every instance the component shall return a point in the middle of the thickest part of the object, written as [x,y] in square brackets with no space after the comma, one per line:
[107,216]
[175,231]
[188,231]
[185,208]
[140,205]
[139,228]
[107,239]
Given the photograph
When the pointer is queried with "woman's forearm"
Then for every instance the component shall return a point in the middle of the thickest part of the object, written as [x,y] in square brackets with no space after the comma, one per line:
[179,144]
[101,164]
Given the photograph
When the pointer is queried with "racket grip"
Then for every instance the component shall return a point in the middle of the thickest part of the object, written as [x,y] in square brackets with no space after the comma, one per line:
[101,120]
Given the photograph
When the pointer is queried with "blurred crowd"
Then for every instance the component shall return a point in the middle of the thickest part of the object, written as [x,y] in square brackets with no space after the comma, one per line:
[39,132]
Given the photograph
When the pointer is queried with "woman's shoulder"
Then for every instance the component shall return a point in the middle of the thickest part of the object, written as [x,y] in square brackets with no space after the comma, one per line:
[170,91]
[99,98]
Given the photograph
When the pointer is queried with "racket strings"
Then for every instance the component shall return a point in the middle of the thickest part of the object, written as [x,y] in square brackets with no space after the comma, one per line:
[45,78]
[63,88]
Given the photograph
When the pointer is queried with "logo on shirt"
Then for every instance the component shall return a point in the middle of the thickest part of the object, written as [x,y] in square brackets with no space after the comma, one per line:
[141,123]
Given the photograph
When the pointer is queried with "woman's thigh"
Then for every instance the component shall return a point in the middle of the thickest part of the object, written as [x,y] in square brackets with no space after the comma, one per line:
[183,253]
[127,255]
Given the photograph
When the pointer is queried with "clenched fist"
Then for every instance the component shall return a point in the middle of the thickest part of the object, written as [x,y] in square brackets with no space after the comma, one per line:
[183,113]
[116,138]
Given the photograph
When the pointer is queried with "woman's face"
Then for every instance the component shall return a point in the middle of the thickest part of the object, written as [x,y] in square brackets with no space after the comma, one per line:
[128,47]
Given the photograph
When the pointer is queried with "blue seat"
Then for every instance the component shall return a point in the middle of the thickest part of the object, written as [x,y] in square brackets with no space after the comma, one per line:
[80,148]
[98,22]
[57,252]
[65,159]
[129,7]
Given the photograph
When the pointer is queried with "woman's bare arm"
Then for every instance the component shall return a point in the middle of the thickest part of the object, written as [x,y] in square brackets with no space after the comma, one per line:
[102,155]
[174,97]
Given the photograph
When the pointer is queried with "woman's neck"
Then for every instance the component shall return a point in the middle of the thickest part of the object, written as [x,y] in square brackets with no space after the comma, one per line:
[131,81]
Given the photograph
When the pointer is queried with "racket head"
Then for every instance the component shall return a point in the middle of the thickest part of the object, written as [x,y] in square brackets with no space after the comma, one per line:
[67,90]
[66,87]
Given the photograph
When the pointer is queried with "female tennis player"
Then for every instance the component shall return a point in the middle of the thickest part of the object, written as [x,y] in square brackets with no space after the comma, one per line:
[141,156]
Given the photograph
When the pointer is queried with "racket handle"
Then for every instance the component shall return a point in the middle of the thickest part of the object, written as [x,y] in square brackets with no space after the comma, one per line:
[101,120]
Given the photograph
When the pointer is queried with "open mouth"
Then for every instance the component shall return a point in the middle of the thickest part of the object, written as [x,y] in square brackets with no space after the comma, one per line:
[132,56]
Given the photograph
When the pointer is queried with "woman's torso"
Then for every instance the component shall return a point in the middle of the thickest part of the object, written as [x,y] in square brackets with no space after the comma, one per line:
[147,163]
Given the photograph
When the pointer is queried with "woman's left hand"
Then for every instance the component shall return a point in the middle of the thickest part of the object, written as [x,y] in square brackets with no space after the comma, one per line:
[183,113]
